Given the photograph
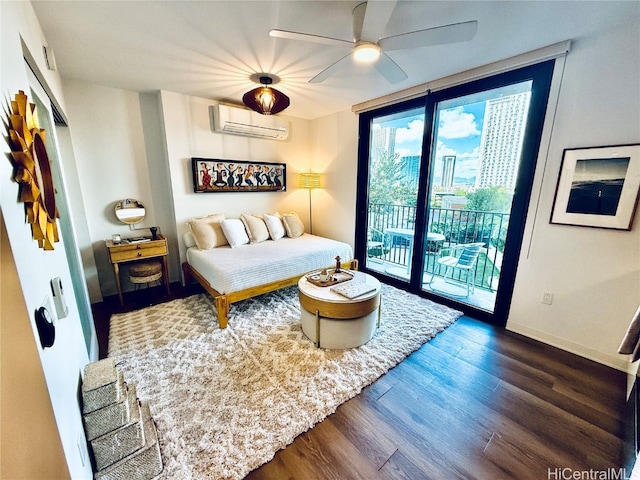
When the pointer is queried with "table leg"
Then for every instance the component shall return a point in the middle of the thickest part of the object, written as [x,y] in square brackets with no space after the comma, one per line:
[165,274]
[116,271]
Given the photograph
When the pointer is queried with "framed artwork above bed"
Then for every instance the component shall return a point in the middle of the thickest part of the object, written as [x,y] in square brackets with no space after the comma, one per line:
[212,175]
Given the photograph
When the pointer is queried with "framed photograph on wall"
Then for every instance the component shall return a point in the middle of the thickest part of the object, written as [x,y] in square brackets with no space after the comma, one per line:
[212,175]
[598,187]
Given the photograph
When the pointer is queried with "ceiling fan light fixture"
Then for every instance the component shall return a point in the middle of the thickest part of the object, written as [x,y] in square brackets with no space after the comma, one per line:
[366,52]
[266,100]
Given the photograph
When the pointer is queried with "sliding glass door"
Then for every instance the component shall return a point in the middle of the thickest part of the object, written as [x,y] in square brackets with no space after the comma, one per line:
[445,185]
[395,151]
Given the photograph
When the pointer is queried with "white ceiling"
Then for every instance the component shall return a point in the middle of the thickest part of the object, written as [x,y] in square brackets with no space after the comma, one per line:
[211,48]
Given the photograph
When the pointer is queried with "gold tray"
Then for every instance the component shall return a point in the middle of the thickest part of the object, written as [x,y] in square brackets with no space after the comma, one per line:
[334,277]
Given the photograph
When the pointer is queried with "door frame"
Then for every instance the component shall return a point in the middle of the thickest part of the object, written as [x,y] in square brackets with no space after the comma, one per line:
[541,75]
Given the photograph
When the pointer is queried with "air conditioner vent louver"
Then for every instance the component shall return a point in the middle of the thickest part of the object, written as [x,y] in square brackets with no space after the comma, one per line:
[239,121]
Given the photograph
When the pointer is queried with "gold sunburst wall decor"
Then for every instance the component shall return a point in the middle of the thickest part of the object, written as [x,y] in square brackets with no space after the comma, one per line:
[32,170]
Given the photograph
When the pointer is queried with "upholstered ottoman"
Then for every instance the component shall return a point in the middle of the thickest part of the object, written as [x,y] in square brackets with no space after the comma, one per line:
[334,321]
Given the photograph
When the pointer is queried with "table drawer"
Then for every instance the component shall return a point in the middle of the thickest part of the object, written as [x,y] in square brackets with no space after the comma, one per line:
[132,252]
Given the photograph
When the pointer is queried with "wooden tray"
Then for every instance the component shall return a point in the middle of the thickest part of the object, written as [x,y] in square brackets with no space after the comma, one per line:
[334,278]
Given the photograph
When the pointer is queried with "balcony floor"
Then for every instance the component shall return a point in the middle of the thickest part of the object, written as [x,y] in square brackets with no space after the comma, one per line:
[478,297]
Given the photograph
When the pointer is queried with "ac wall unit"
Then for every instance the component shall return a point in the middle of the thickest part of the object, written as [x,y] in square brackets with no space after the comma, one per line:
[240,121]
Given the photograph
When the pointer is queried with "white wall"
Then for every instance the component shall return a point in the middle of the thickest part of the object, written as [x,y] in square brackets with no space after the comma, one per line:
[62,364]
[111,159]
[594,274]
[334,143]
[188,134]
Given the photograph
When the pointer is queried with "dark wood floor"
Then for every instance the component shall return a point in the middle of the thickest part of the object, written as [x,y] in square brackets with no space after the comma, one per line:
[475,402]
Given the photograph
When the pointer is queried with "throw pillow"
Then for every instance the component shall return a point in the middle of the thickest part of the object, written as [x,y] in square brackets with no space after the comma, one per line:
[234,231]
[292,224]
[207,232]
[256,228]
[274,225]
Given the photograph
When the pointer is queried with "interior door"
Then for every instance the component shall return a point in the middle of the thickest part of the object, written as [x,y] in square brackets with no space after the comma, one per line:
[74,259]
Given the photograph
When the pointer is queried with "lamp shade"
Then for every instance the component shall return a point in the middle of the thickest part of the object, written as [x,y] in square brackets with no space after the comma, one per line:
[309,180]
[266,100]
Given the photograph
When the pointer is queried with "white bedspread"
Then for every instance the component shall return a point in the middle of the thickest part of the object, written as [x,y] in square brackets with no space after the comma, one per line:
[233,269]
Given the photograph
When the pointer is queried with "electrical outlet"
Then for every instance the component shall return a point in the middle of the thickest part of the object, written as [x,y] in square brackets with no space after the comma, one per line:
[547,298]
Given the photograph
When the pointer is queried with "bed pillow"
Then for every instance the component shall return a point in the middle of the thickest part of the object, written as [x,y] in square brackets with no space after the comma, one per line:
[292,224]
[207,232]
[274,225]
[234,231]
[256,228]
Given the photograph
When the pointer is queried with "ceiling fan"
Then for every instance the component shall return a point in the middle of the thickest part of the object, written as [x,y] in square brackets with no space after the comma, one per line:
[369,20]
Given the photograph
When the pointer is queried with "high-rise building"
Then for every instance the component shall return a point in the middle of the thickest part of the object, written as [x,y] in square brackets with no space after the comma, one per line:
[501,142]
[383,139]
[411,169]
[448,169]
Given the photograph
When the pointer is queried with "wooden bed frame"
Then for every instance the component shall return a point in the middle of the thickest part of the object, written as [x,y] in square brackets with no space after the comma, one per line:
[224,300]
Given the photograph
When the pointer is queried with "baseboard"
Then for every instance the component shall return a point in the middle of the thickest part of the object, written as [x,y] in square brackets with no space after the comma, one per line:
[619,362]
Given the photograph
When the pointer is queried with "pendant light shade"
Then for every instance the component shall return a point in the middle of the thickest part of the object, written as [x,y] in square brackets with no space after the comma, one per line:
[266,99]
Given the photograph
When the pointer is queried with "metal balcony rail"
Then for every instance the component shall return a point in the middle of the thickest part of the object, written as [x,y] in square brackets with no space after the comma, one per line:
[457,225]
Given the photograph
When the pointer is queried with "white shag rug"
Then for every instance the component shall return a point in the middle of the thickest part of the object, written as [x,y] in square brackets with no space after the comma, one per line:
[225,401]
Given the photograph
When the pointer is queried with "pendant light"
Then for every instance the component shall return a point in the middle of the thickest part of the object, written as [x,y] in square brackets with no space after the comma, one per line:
[266,99]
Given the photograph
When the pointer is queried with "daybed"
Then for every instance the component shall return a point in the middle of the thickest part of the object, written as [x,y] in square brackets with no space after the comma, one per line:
[235,268]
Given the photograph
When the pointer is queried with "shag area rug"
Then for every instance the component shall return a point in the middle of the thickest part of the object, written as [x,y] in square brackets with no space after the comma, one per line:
[225,401]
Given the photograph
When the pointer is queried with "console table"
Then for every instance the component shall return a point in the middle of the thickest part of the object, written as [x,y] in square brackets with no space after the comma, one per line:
[130,252]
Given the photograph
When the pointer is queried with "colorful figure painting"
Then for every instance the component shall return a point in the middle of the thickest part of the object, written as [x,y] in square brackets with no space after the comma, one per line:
[214,175]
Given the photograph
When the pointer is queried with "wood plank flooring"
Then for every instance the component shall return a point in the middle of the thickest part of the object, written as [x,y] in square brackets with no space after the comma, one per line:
[475,402]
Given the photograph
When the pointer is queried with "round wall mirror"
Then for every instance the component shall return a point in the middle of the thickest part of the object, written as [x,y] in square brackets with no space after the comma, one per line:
[130,211]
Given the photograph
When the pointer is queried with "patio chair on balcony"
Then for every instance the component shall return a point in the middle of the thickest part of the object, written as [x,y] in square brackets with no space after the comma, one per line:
[378,243]
[460,258]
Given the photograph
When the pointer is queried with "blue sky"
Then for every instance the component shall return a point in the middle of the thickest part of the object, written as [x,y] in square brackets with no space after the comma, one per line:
[459,132]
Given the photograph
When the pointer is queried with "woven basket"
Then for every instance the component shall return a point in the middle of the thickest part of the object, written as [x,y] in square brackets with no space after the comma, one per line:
[145,269]
[143,464]
[112,416]
[119,443]
[102,385]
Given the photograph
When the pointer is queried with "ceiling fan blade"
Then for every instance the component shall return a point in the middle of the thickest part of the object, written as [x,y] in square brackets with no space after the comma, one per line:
[456,32]
[308,37]
[376,17]
[390,69]
[330,70]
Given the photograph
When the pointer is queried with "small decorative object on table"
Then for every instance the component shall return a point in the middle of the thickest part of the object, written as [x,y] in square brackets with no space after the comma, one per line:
[328,277]
[338,265]
[324,275]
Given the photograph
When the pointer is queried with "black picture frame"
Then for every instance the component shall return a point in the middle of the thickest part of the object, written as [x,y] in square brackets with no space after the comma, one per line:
[213,175]
[598,187]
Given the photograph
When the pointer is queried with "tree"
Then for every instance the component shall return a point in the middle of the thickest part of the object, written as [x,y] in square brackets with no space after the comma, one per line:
[490,199]
[387,181]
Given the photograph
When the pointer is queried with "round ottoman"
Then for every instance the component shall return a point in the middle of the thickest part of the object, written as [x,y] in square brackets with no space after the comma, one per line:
[333,321]
[145,272]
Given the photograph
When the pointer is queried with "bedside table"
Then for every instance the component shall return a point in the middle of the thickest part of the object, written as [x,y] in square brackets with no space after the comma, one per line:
[130,252]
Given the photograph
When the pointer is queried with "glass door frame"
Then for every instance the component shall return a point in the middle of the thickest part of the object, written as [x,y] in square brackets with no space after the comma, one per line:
[541,75]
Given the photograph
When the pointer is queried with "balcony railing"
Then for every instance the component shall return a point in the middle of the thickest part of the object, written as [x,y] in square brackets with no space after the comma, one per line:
[458,226]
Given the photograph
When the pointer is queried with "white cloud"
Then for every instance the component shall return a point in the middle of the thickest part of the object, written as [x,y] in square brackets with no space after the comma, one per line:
[456,123]
[413,132]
